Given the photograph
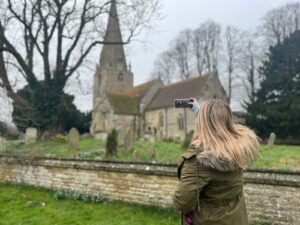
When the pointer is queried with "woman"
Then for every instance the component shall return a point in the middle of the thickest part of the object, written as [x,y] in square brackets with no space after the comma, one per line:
[210,189]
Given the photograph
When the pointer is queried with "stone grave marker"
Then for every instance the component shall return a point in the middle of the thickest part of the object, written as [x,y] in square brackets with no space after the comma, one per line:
[3,144]
[271,140]
[22,136]
[137,155]
[128,139]
[152,139]
[152,152]
[30,135]
[100,136]
[73,139]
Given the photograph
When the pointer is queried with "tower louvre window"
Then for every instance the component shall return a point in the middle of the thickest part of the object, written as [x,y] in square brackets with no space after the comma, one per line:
[120,77]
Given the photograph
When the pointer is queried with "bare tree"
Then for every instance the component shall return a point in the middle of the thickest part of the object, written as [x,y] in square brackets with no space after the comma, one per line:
[164,67]
[211,32]
[281,22]
[198,42]
[233,49]
[182,53]
[58,36]
[250,60]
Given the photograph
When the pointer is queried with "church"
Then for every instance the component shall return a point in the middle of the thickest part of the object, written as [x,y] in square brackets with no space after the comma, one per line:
[147,108]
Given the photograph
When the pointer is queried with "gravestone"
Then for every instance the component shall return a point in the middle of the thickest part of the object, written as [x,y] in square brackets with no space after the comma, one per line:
[21,136]
[128,139]
[100,136]
[136,155]
[147,137]
[152,152]
[3,144]
[30,135]
[73,139]
[271,140]
[152,139]
[46,136]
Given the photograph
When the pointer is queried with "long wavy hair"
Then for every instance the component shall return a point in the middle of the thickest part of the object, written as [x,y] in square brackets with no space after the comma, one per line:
[217,133]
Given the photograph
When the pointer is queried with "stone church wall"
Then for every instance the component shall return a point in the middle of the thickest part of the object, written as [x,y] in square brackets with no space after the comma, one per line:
[272,197]
[170,128]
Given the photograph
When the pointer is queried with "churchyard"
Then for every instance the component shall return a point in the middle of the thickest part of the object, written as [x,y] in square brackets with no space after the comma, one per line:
[283,157]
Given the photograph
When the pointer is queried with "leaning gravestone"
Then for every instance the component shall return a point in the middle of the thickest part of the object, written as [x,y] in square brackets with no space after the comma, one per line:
[271,140]
[73,139]
[3,144]
[31,135]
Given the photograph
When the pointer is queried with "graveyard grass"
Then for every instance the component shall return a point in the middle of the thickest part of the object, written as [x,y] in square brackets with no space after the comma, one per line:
[286,157]
[35,206]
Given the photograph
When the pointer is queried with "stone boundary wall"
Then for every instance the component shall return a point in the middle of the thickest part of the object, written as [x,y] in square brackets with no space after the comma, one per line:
[273,197]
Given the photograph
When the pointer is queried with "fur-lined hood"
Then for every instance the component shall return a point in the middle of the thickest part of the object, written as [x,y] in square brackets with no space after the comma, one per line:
[207,159]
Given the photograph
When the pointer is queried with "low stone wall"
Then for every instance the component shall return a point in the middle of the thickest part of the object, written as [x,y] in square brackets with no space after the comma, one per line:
[273,197]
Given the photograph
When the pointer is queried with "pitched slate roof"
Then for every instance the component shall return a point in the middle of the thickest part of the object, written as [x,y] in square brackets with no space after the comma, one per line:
[139,90]
[184,89]
[124,104]
[127,101]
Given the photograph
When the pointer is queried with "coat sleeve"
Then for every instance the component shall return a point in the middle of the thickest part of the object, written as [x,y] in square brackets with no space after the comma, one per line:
[185,197]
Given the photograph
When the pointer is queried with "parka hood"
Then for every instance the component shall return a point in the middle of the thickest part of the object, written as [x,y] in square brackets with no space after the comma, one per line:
[207,159]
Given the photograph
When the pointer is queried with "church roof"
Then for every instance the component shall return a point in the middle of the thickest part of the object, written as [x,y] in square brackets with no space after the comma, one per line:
[127,101]
[124,104]
[165,96]
[139,90]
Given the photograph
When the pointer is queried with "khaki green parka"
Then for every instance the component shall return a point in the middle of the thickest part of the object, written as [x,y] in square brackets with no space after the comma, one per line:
[210,190]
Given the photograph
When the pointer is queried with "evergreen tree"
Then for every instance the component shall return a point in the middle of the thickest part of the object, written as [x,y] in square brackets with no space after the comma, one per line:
[276,107]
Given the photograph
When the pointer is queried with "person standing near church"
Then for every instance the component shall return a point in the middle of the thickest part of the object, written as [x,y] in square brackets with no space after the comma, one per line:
[210,189]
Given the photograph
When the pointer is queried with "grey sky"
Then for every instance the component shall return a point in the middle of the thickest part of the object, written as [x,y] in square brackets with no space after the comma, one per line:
[182,14]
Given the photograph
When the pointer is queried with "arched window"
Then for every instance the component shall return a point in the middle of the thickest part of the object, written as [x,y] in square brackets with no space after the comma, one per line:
[180,122]
[161,119]
[120,77]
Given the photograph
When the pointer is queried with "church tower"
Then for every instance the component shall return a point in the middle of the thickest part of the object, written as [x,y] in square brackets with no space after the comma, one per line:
[112,59]
[112,75]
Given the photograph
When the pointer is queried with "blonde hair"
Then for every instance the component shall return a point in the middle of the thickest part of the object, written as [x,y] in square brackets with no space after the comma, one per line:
[217,133]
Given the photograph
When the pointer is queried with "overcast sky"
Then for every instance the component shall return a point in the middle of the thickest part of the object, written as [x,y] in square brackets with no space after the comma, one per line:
[182,14]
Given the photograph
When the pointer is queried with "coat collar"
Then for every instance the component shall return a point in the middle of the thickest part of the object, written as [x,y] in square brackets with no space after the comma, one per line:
[207,159]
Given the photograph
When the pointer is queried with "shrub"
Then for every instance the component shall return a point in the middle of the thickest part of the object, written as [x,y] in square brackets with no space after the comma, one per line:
[187,140]
[112,143]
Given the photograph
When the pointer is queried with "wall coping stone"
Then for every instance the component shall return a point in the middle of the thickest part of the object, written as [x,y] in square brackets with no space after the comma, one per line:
[259,176]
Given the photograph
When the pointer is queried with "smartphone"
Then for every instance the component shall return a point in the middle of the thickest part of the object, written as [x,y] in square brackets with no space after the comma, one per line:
[183,103]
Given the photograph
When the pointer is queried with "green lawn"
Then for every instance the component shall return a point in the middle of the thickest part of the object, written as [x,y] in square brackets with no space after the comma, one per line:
[30,206]
[280,157]
[24,205]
